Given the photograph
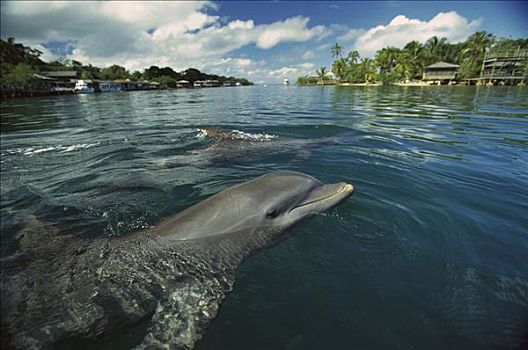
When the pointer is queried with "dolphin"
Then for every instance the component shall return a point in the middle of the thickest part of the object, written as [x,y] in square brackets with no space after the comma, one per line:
[59,289]
[230,146]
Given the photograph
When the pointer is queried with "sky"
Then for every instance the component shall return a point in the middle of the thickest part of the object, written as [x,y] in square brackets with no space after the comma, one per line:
[264,41]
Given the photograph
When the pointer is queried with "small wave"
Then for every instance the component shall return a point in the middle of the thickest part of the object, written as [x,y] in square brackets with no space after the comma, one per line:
[59,148]
[238,135]
[257,137]
[202,133]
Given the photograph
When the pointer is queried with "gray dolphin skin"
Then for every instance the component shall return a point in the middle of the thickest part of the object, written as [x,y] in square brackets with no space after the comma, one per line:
[231,146]
[61,289]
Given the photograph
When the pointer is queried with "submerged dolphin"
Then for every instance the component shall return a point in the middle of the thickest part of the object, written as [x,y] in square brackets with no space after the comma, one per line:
[174,276]
[228,146]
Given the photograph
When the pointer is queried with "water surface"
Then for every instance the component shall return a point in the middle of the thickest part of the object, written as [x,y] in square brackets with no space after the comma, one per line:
[430,252]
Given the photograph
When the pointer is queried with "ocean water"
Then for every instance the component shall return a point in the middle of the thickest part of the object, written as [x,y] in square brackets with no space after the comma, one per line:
[431,251]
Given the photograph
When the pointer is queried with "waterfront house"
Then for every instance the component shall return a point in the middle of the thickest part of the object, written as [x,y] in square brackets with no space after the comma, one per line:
[64,76]
[228,83]
[184,84]
[126,84]
[504,67]
[211,83]
[440,72]
[106,86]
[198,83]
[58,81]
[151,85]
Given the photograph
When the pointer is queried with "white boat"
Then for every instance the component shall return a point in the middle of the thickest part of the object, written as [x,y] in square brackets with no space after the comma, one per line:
[286,81]
[82,87]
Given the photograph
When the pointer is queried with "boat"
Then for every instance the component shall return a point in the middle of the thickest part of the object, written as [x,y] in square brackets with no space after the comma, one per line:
[105,86]
[82,87]
[286,81]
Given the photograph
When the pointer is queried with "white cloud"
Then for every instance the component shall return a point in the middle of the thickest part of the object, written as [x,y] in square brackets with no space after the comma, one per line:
[402,29]
[352,34]
[308,55]
[293,71]
[292,29]
[139,34]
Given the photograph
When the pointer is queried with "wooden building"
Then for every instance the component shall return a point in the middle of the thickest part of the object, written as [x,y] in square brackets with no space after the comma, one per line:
[211,83]
[440,72]
[184,84]
[65,76]
[59,81]
[504,67]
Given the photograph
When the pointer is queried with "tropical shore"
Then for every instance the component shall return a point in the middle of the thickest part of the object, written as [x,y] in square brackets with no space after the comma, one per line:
[482,59]
[24,74]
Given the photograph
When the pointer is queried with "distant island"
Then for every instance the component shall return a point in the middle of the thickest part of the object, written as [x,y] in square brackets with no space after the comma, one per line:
[480,60]
[23,73]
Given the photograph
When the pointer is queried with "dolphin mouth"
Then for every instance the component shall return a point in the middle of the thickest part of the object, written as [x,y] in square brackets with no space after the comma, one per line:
[332,194]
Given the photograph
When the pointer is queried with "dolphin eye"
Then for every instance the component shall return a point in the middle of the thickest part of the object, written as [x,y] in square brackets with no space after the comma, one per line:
[272,213]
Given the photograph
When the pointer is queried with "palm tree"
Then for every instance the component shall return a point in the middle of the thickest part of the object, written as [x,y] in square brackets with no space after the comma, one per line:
[476,47]
[387,58]
[339,68]
[321,73]
[435,49]
[368,69]
[412,58]
[478,44]
[353,57]
[337,50]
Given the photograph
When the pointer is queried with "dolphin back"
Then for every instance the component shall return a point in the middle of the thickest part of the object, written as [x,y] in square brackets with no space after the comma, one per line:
[74,289]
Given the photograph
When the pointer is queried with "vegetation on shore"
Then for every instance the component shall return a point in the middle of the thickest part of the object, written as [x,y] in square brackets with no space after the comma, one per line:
[19,64]
[391,64]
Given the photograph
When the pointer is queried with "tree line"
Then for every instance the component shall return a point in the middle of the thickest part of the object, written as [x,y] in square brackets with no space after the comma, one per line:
[391,64]
[19,64]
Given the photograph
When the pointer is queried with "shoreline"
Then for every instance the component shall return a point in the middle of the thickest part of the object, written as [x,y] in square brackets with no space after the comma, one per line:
[415,83]
[10,95]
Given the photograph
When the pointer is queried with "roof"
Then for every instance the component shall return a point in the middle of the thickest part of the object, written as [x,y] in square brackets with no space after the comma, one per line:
[43,77]
[443,65]
[60,73]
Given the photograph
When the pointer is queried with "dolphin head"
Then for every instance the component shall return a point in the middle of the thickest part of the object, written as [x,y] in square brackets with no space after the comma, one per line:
[287,199]
[257,213]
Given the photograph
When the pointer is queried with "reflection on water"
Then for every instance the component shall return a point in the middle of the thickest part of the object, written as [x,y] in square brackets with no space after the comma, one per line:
[429,253]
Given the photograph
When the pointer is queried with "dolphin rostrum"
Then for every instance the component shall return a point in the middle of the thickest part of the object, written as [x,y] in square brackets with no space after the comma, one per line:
[59,289]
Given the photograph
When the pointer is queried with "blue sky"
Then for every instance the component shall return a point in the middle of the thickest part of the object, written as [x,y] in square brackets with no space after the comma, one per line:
[263,41]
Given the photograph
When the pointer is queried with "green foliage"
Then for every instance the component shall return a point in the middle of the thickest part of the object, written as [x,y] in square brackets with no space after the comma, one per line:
[322,74]
[507,44]
[166,81]
[387,78]
[387,58]
[13,53]
[473,54]
[336,50]
[22,76]
[392,64]
[306,80]
[18,63]
[352,57]
[136,76]
[86,75]
[114,72]
[339,68]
